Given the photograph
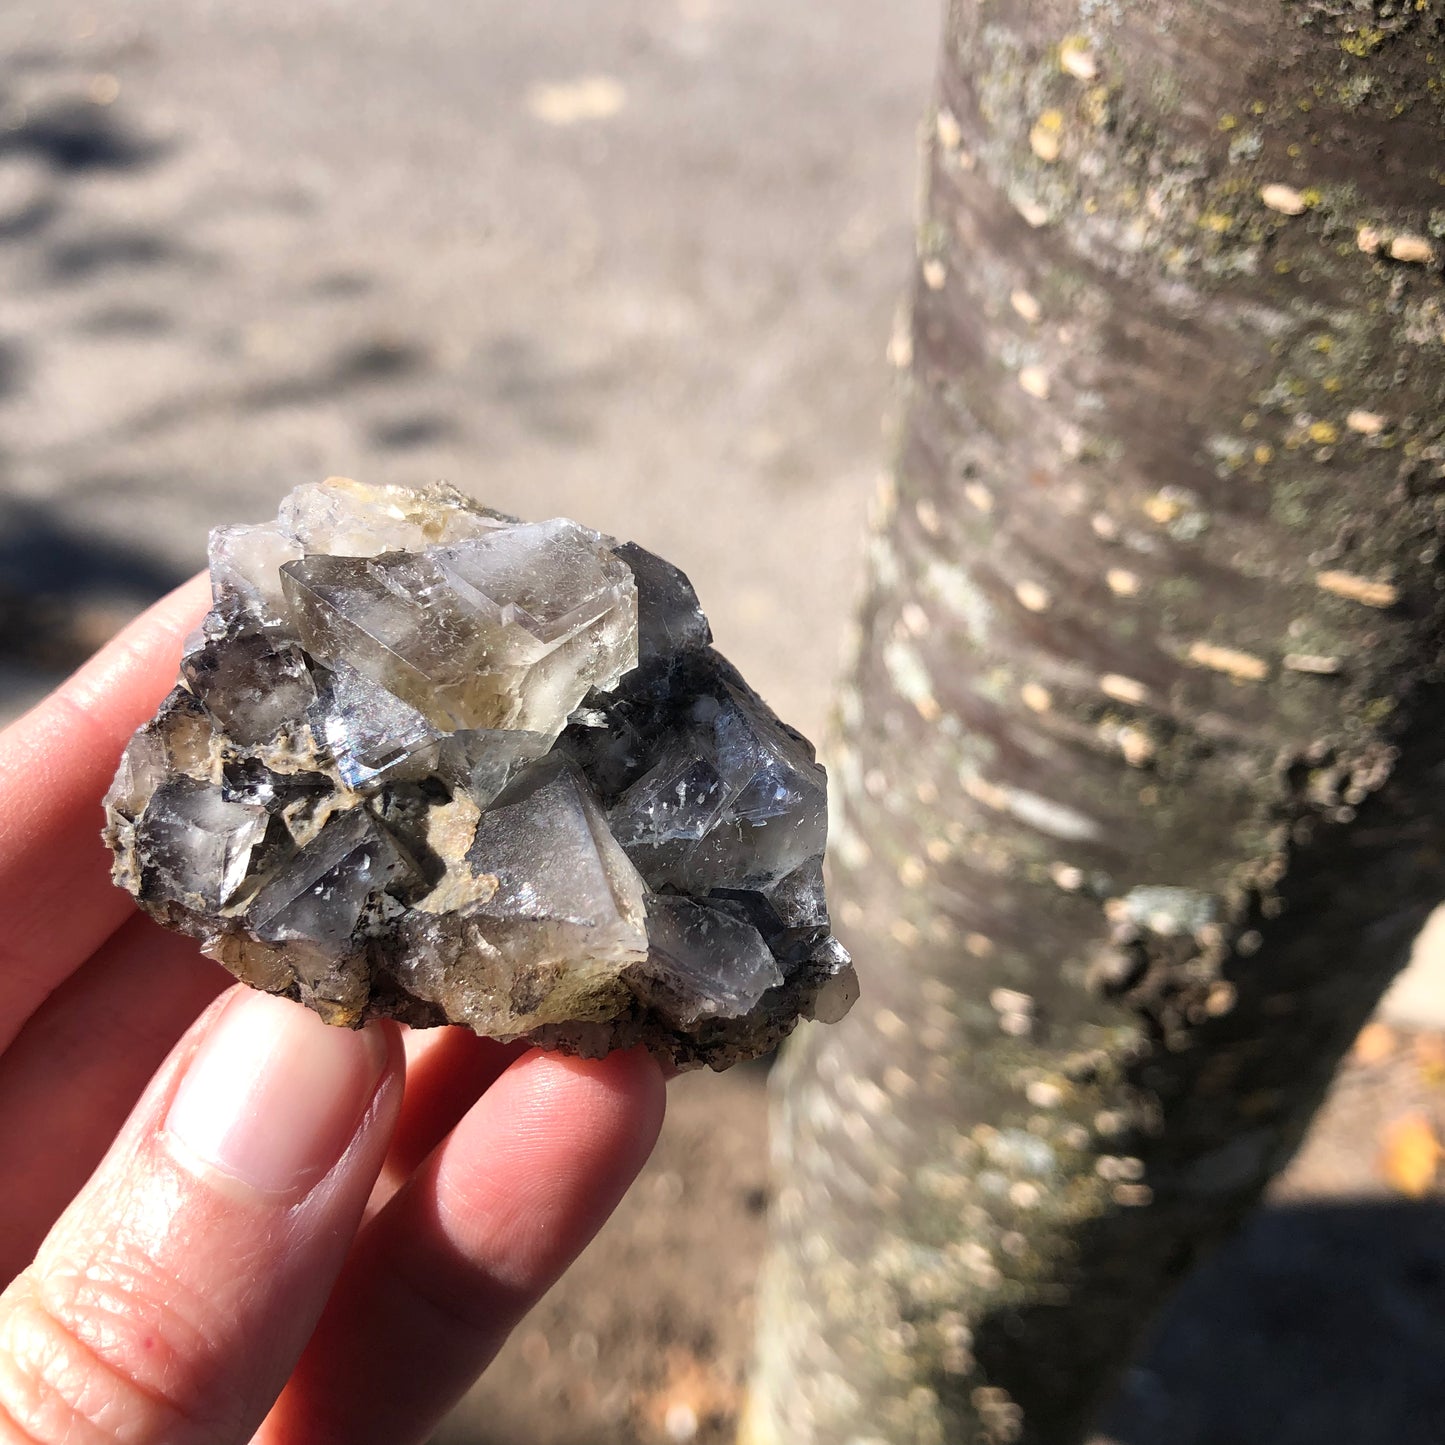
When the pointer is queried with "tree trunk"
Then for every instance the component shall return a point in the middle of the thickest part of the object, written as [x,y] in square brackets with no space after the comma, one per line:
[1138,784]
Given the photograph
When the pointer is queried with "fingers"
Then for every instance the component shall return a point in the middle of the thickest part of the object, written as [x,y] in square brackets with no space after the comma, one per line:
[445,1271]
[56,899]
[171,1301]
[447,1071]
[79,1065]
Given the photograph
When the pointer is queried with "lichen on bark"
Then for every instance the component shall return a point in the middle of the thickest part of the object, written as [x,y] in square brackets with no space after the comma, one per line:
[1136,758]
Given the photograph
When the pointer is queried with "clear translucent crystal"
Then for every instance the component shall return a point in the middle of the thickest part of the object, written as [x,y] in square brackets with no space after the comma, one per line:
[464,633]
[343,518]
[479,761]
[371,735]
[197,845]
[246,567]
[429,762]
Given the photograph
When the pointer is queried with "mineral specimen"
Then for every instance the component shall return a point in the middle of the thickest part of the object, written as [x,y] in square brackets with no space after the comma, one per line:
[431,763]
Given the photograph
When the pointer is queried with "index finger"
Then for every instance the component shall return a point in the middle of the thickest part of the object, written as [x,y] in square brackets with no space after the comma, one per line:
[57,904]
[437,1280]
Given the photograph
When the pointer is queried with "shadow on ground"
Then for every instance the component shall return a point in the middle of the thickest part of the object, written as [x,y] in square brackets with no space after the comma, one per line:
[1319,1325]
[62,592]
[72,135]
[50,146]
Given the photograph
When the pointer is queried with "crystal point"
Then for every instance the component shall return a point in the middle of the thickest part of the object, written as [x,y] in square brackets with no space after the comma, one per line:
[429,762]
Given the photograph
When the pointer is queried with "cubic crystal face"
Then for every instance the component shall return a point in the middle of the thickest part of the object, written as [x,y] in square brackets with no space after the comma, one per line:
[428,762]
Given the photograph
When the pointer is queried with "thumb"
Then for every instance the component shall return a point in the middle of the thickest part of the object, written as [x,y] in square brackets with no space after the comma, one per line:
[172,1299]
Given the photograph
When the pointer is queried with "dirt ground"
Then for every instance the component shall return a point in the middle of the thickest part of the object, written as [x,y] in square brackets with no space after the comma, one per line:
[1323,1324]
[635,261]
[647,1338]
[630,261]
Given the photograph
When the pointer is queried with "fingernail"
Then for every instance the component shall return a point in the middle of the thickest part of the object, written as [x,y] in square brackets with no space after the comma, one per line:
[273,1096]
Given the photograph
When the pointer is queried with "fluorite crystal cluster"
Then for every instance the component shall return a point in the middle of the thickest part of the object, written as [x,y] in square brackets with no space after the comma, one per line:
[431,763]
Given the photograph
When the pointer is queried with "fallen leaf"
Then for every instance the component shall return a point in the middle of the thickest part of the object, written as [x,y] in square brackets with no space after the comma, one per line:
[1411,1155]
[1373,1044]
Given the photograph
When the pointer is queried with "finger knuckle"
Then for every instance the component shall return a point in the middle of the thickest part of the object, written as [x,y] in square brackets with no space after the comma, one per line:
[105,1354]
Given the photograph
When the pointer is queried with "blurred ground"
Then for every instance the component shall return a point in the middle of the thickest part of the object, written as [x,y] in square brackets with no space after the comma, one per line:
[633,261]
[1323,1324]
[636,262]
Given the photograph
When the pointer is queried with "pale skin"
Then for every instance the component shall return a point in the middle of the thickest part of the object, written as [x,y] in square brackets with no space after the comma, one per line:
[223,1221]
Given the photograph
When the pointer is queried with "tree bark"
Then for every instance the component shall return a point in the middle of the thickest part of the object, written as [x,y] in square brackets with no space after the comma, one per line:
[1138,776]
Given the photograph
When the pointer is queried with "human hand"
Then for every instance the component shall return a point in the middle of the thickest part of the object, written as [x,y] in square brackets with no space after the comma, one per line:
[279,1241]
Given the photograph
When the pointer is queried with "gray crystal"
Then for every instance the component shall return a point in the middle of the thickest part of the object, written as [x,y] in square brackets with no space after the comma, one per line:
[703,963]
[251,683]
[669,619]
[197,846]
[371,735]
[429,762]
